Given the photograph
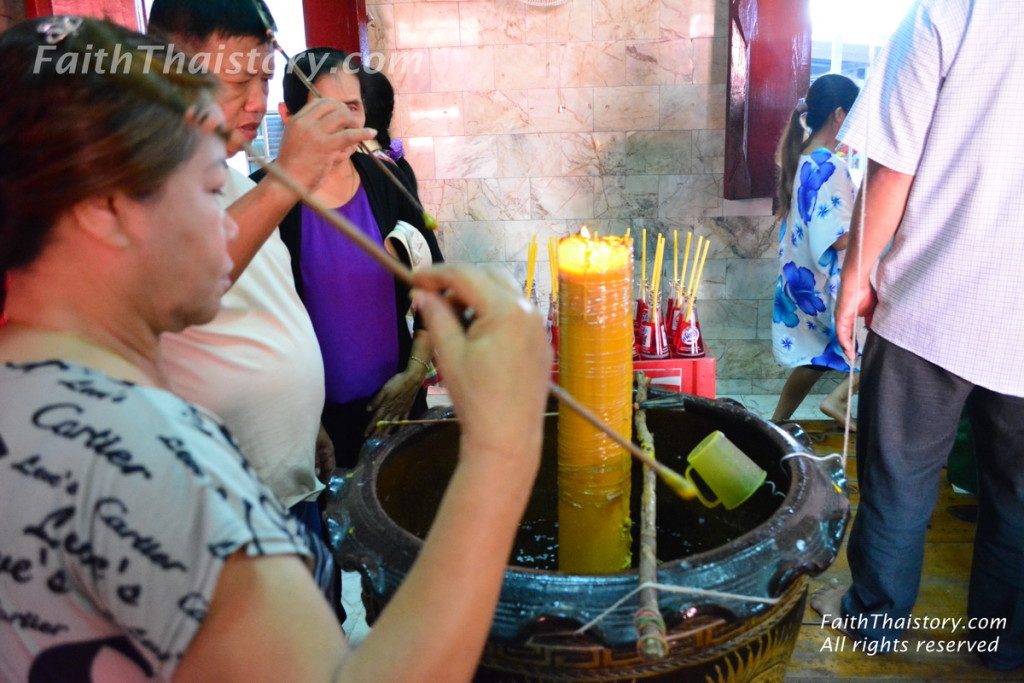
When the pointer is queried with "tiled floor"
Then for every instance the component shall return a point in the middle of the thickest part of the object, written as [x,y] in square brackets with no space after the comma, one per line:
[943,594]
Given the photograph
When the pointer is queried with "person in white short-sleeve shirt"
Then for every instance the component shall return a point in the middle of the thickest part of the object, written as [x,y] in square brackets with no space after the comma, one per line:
[943,185]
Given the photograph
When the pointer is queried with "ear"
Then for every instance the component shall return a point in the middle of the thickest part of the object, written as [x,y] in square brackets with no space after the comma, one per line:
[282,109]
[840,115]
[101,219]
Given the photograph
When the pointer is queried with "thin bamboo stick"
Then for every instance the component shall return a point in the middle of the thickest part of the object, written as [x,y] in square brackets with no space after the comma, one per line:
[438,420]
[675,481]
[651,643]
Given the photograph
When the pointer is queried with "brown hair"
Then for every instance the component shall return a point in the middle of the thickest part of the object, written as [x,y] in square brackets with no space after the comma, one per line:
[826,94]
[74,132]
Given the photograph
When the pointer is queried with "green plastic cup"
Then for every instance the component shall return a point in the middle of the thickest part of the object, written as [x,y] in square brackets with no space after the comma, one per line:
[725,469]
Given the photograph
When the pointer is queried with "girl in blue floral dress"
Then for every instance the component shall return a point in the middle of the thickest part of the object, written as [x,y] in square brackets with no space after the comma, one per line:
[815,199]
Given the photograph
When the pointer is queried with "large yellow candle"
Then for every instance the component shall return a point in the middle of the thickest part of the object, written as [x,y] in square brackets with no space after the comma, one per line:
[595,358]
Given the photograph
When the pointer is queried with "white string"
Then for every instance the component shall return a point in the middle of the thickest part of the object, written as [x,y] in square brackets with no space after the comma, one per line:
[671,589]
[857,289]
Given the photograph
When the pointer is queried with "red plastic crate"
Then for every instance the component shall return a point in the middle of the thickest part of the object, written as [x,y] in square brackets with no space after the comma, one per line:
[689,375]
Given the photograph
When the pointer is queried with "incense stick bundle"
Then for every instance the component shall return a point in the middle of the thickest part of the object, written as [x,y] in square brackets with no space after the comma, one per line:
[700,272]
[553,265]
[693,266]
[675,255]
[659,257]
[682,274]
[643,263]
[531,264]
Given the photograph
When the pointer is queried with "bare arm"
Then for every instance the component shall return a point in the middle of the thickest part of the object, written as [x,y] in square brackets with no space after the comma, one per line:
[267,620]
[312,139]
[496,372]
[396,397]
[887,191]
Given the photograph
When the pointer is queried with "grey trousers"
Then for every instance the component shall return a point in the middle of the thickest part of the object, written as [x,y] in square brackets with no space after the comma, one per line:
[907,419]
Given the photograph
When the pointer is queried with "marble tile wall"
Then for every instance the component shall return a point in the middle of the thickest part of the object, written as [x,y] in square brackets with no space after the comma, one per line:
[522,120]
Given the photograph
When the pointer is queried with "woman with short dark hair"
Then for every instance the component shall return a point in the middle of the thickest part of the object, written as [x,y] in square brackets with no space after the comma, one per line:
[137,542]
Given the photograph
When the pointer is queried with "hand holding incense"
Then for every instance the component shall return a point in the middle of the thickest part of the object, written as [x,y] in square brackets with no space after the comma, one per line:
[268,22]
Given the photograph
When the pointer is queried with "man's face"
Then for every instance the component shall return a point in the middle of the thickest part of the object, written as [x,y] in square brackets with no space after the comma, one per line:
[244,67]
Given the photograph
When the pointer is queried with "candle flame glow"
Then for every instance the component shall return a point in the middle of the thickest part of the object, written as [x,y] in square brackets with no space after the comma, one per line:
[584,233]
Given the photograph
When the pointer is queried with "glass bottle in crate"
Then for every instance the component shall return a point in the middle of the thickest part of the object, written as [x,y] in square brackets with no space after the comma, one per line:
[653,339]
[673,315]
[641,314]
[688,341]
[552,323]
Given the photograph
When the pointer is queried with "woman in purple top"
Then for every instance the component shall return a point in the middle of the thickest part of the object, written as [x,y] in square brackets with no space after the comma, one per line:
[374,367]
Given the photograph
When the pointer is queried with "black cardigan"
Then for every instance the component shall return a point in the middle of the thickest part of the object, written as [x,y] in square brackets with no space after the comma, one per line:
[389,206]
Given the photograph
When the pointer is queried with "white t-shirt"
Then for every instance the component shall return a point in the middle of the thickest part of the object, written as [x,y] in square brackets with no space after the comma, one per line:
[258,366]
[941,104]
[120,505]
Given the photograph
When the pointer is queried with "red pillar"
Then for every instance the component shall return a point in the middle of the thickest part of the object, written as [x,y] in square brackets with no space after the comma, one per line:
[339,24]
[769,69]
[37,8]
[124,12]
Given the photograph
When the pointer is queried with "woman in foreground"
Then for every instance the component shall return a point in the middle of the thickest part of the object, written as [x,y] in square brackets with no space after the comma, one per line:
[142,545]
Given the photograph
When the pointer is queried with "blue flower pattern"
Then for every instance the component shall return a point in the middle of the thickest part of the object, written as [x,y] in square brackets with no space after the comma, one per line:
[832,357]
[800,289]
[808,282]
[785,308]
[812,177]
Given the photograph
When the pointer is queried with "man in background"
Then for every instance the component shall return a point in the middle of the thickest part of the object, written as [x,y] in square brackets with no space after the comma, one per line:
[257,365]
[946,324]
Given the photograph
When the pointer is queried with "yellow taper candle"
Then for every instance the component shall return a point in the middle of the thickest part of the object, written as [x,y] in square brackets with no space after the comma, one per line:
[595,365]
